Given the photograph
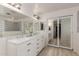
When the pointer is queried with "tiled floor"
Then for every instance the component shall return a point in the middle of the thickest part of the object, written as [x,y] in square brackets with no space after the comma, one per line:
[53,51]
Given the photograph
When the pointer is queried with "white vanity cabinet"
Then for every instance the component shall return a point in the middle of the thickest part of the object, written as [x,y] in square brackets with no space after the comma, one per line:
[40,43]
[27,46]
[31,47]
[26,49]
[15,49]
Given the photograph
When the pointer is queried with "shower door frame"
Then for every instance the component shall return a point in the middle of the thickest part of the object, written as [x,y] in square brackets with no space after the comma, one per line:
[58,45]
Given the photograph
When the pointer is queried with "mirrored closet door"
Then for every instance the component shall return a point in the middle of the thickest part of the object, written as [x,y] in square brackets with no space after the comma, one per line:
[53,30]
[60,32]
[65,32]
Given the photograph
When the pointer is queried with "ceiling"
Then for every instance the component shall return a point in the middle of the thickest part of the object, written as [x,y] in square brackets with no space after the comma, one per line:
[38,8]
[41,8]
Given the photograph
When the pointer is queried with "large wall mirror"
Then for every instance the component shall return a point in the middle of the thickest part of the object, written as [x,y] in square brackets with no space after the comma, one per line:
[28,27]
[12,26]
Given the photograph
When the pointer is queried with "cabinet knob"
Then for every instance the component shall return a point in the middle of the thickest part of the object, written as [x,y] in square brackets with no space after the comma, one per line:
[37,47]
[37,43]
[28,43]
[28,50]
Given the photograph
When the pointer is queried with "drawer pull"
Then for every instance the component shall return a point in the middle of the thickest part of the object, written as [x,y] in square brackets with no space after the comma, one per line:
[37,47]
[28,43]
[28,50]
[37,43]
[37,39]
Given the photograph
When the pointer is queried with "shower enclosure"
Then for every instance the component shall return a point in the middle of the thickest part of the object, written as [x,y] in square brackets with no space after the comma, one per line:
[60,32]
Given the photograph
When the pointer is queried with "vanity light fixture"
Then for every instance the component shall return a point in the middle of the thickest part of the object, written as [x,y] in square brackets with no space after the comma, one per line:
[36,16]
[16,5]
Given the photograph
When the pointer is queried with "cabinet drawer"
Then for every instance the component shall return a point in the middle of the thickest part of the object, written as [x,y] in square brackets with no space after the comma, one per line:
[29,43]
[31,48]
[31,51]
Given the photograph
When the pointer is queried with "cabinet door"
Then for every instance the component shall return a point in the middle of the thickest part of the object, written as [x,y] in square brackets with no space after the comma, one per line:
[22,50]
[34,47]
[3,45]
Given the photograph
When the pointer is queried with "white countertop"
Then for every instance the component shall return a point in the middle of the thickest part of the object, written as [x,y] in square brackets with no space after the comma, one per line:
[24,39]
[21,40]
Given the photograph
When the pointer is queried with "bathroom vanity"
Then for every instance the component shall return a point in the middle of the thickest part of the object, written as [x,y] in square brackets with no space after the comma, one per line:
[26,46]
[20,35]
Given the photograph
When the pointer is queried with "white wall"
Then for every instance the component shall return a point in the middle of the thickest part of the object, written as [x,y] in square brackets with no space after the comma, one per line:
[64,12]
